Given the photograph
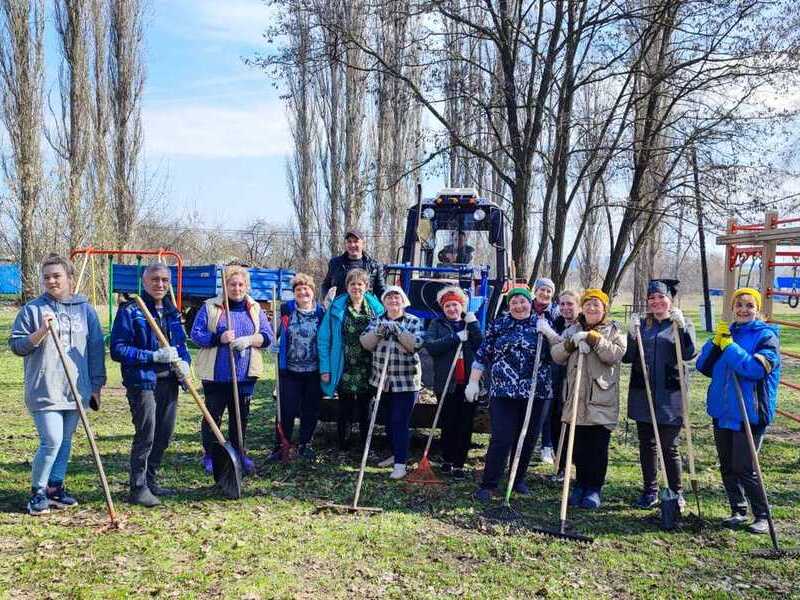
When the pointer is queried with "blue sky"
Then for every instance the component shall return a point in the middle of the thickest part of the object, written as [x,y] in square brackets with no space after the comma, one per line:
[214,128]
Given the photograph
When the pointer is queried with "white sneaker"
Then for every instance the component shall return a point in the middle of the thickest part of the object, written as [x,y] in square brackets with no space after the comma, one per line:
[399,471]
[388,462]
[547,455]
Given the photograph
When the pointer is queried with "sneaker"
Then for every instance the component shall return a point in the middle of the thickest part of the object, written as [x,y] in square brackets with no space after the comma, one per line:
[306,452]
[447,467]
[681,503]
[483,494]
[591,499]
[38,504]
[548,457]
[575,496]
[735,520]
[646,500]
[759,526]
[208,464]
[398,472]
[58,497]
[458,473]
[143,497]
[387,462]
[521,489]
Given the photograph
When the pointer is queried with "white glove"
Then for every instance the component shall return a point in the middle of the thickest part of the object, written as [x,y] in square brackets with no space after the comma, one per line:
[470,318]
[168,354]
[584,348]
[240,344]
[579,337]
[182,369]
[676,314]
[462,335]
[543,327]
[471,391]
[633,324]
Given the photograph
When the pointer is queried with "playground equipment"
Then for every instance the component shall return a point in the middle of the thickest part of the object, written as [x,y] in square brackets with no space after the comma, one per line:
[767,242]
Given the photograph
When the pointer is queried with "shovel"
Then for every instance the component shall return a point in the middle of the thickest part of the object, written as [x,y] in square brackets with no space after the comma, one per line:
[424,474]
[225,459]
[676,333]
[670,510]
[112,515]
[776,551]
[355,508]
[505,512]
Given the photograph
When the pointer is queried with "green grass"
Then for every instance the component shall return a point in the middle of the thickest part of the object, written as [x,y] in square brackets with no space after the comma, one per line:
[270,544]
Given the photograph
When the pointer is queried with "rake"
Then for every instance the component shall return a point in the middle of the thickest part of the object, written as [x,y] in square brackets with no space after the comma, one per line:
[286,448]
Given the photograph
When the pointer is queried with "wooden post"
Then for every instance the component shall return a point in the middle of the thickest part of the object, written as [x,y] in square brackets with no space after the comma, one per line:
[730,273]
[767,268]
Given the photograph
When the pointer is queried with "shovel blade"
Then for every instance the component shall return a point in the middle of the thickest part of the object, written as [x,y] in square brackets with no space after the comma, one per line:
[227,470]
[670,509]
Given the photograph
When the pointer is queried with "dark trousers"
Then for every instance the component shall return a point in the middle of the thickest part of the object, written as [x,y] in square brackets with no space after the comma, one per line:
[401,405]
[153,415]
[590,456]
[506,416]
[738,471]
[353,407]
[301,395]
[648,455]
[456,421]
[219,396]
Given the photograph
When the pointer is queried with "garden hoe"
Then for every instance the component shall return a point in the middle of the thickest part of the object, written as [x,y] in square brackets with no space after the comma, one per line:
[776,551]
[285,446]
[224,458]
[686,423]
[670,510]
[505,513]
[355,508]
[565,530]
[237,413]
[424,474]
[112,515]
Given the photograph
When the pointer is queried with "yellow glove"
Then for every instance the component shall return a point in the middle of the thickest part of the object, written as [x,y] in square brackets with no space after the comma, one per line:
[722,335]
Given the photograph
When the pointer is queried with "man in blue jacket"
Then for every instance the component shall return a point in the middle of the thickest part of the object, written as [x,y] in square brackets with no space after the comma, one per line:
[150,375]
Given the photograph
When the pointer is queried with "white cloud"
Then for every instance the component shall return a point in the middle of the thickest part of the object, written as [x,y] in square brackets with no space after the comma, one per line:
[209,131]
[242,21]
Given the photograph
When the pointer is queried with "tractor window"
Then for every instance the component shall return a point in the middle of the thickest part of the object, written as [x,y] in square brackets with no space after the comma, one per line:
[455,248]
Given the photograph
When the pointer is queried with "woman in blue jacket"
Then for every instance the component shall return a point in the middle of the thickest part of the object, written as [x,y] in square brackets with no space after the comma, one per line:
[658,343]
[748,348]
[344,365]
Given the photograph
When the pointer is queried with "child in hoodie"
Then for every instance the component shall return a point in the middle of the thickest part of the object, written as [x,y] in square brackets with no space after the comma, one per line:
[47,393]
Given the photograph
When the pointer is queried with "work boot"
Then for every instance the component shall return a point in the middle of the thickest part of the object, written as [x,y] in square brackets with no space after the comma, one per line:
[38,504]
[735,520]
[157,490]
[759,526]
[58,497]
[646,500]
[143,497]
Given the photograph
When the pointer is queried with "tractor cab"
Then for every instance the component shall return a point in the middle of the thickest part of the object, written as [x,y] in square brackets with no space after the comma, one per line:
[456,238]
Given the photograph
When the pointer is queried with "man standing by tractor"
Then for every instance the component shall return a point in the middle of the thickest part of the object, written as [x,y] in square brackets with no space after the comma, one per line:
[354,257]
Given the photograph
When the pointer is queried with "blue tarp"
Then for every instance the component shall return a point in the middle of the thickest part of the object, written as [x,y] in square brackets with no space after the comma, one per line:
[10,279]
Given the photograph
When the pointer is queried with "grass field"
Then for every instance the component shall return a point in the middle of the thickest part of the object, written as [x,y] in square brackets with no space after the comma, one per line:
[271,544]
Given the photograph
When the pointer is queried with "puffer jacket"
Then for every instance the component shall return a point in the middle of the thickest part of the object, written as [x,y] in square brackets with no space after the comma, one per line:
[508,354]
[754,356]
[598,394]
[658,342]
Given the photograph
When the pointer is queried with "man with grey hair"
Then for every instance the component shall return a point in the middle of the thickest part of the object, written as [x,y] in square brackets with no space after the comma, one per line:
[150,375]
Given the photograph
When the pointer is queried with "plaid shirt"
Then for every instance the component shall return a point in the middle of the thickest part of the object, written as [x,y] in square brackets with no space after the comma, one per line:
[405,372]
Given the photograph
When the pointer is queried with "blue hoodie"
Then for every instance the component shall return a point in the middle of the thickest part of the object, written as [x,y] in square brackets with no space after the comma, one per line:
[329,339]
[754,356]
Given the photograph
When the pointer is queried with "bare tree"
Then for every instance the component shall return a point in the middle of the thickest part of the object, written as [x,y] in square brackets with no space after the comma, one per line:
[21,76]
[126,82]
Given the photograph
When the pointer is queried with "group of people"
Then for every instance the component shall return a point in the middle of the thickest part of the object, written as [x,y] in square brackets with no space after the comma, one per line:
[362,338]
